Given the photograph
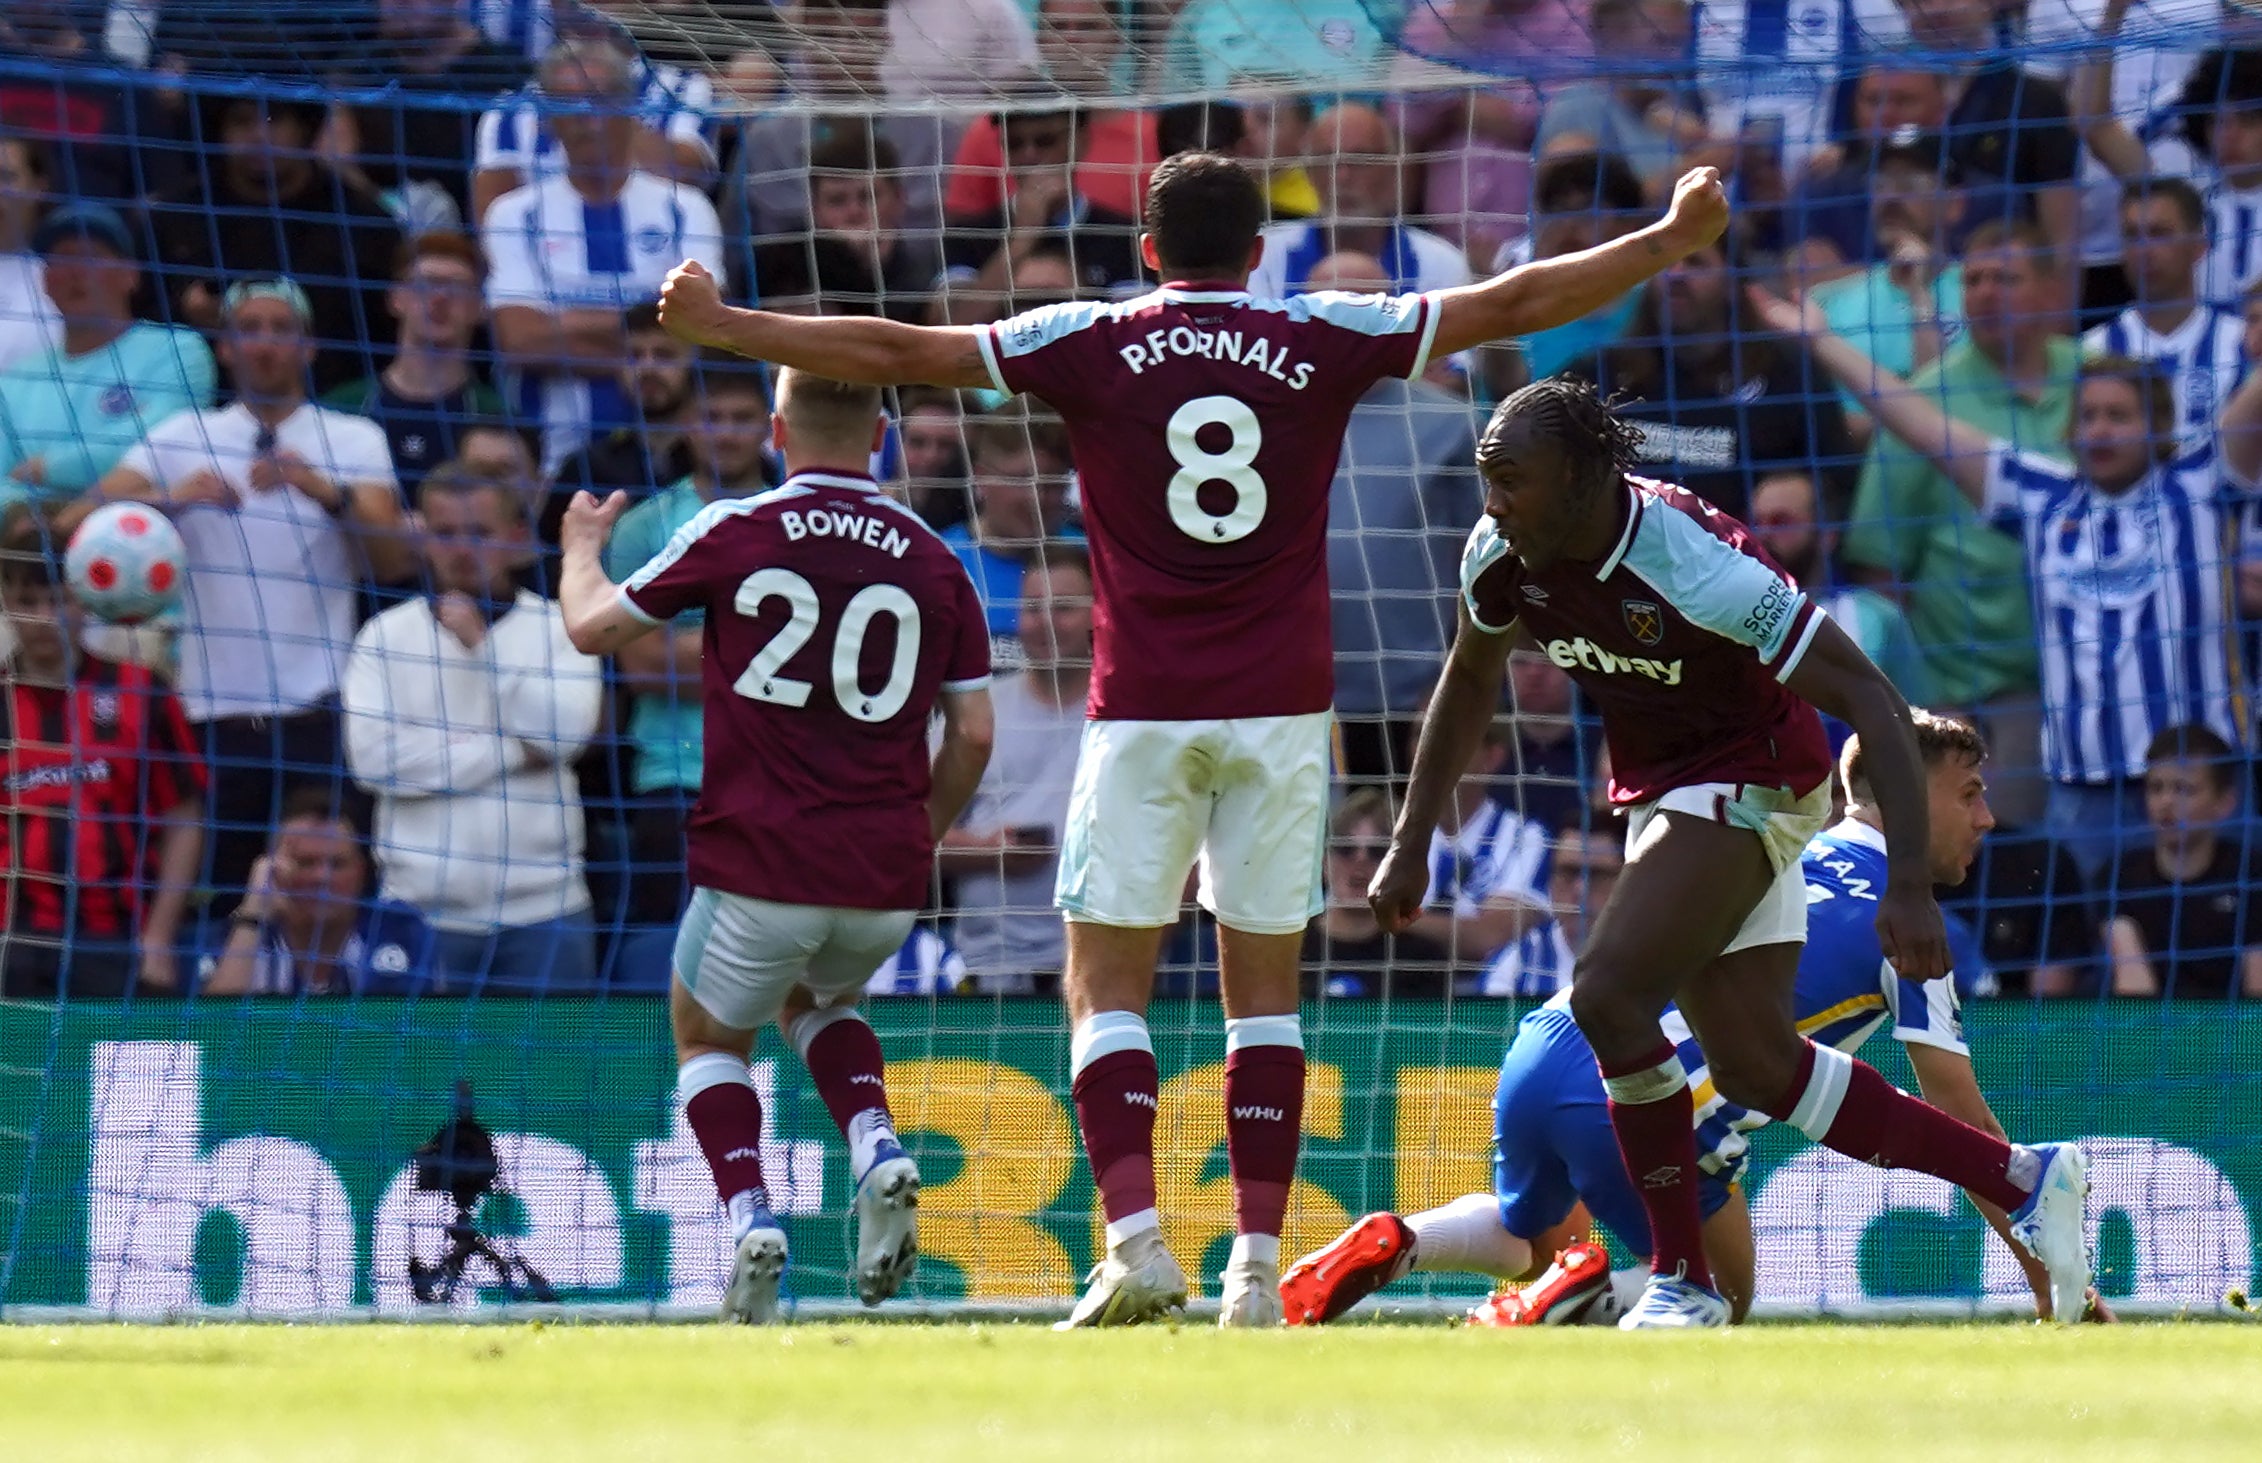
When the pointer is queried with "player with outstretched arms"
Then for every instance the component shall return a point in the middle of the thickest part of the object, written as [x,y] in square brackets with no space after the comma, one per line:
[1206,424]
[836,623]
[1708,665]
[1556,1161]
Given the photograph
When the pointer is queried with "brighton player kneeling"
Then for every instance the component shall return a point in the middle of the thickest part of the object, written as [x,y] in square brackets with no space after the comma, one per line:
[1708,666]
[835,623]
[1554,1149]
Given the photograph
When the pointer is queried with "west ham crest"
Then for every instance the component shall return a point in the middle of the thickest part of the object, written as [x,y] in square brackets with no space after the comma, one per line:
[1644,620]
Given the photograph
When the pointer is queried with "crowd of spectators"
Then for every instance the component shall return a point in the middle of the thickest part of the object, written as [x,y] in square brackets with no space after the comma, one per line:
[359,295]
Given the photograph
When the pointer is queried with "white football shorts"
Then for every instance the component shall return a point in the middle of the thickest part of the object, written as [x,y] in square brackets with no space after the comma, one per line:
[1243,799]
[740,957]
[1785,823]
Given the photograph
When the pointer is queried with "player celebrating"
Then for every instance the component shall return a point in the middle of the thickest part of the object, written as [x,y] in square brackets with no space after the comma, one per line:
[1554,1147]
[1708,665]
[1206,426]
[835,623]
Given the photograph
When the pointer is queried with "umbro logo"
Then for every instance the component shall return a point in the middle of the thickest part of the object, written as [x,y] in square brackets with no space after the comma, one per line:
[1266,1114]
[1662,1178]
[1534,593]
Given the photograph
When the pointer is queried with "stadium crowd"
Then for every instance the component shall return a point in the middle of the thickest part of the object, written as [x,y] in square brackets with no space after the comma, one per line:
[362,294]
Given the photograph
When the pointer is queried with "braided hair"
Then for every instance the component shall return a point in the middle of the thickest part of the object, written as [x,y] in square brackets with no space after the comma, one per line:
[1598,446]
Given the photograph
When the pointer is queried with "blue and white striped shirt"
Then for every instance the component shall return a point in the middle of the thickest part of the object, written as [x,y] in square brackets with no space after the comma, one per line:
[2133,603]
[2202,358]
[1768,63]
[925,965]
[2234,253]
[549,249]
[677,104]
[524,26]
[1538,963]
[1497,853]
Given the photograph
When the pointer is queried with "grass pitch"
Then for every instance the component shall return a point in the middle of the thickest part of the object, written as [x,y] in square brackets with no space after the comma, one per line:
[997,1392]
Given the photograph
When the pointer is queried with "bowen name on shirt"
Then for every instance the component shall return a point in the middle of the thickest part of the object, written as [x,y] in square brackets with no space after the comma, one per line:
[838,523]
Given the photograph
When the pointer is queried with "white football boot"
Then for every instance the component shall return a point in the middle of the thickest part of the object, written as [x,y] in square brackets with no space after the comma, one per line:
[1138,1281]
[1251,1295]
[1671,1303]
[752,1299]
[887,1225]
[2053,1225]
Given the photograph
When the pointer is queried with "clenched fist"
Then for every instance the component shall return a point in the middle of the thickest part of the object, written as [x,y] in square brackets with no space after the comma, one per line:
[691,304]
[1699,212]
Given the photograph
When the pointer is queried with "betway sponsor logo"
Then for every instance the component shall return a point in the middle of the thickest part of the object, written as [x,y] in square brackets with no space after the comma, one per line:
[1581,653]
[1143,1099]
[869,1079]
[1263,1114]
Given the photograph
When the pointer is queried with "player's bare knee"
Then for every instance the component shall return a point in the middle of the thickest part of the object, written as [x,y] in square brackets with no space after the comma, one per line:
[697,1032]
[1259,974]
[1109,968]
[1617,1020]
[1752,1073]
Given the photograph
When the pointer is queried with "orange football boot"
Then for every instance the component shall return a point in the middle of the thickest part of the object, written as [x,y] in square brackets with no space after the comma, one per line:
[1572,1285]
[1360,1261]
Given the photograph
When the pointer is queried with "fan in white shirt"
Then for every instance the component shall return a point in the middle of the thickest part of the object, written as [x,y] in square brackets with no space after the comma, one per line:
[284,506]
[464,712]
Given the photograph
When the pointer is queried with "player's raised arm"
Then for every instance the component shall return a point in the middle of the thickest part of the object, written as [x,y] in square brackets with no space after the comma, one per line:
[1468,692]
[598,621]
[1960,450]
[1835,678]
[1551,292]
[865,350]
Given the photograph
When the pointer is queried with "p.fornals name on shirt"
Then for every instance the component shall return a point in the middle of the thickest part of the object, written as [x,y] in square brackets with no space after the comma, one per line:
[845,523]
[1234,347]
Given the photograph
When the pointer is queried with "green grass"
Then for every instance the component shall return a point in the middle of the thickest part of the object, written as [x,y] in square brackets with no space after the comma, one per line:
[996,1392]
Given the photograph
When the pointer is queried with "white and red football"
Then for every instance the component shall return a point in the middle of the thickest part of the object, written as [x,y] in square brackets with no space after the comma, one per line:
[125,564]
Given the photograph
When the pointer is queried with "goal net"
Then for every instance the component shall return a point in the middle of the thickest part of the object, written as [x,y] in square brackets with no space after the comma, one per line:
[341,898]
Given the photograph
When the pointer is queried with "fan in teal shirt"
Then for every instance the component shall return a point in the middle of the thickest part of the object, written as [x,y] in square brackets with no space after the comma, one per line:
[665,726]
[65,420]
[67,415]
